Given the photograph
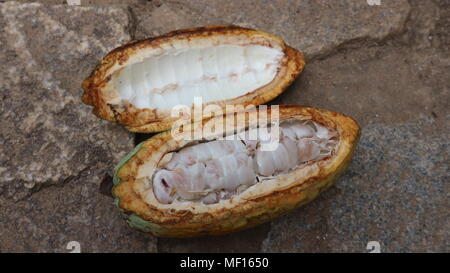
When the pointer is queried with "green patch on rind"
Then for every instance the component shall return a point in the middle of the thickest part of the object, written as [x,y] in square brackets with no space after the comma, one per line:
[122,162]
[133,220]
[138,223]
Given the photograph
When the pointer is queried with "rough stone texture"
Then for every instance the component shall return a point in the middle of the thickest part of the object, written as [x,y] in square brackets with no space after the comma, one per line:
[387,66]
[54,152]
[47,135]
[316,27]
[381,82]
[82,2]
[395,192]
[396,189]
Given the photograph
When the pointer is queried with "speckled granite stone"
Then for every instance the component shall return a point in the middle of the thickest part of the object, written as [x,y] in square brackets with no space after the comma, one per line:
[53,151]
[317,27]
[48,136]
[396,192]
[398,90]
[386,66]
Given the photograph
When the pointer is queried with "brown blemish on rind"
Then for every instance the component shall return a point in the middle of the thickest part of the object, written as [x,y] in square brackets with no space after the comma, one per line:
[244,213]
[149,120]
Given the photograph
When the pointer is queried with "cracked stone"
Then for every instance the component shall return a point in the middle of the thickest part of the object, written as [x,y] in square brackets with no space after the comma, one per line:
[384,83]
[386,66]
[316,27]
[48,135]
[402,86]
[53,151]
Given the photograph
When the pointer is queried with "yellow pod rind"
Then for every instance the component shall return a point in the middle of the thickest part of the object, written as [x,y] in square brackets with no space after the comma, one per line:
[97,94]
[277,197]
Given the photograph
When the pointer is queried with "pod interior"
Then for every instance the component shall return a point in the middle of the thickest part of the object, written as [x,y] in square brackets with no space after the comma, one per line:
[212,73]
[275,184]
[216,170]
[140,83]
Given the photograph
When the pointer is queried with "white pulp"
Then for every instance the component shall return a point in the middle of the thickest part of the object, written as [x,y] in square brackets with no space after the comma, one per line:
[216,170]
[213,73]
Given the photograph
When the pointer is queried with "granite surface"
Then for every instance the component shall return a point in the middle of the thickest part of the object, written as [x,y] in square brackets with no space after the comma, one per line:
[385,65]
[54,153]
[316,27]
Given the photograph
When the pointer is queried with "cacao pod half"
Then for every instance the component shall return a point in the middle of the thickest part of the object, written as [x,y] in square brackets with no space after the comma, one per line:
[170,196]
[139,83]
